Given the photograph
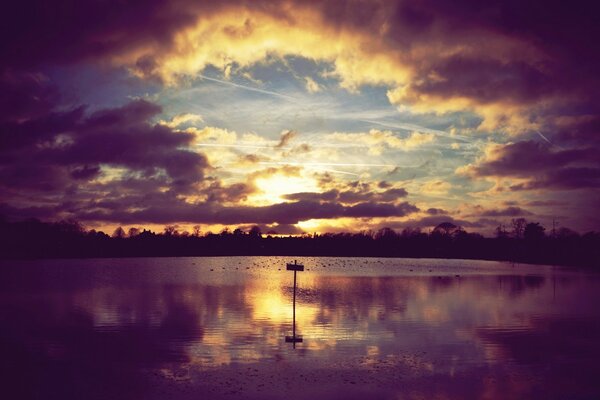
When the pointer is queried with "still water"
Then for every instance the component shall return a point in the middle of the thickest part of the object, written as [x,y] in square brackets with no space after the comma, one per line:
[203,328]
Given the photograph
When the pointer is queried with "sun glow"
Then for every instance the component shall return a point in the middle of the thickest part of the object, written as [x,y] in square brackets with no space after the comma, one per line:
[272,189]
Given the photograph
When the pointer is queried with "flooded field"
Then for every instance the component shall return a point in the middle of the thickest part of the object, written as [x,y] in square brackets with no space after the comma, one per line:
[202,328]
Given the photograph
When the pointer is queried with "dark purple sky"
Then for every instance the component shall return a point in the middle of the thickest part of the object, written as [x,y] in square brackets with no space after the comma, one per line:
[300,115]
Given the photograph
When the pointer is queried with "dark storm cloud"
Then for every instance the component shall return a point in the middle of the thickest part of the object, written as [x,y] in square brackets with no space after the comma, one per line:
[49,156]
[436,211]
[564,178]
[124,137]
[542,166]
[505,212]
[380,210]
[86,172]
[583,131]
[25,95]
[520,157]
[216,192]
[361,194]
[40,212]
[330,195]
[46,150]
[77,30]
[563,31]
[167,208]
[486,80]
[545,203]
[36,32]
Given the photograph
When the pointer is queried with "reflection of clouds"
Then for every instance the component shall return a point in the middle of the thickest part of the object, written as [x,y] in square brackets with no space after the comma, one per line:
[185,320]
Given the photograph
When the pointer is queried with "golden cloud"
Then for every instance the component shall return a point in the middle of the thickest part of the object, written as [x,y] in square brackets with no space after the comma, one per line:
[233,37]
[180,119]
[241,37]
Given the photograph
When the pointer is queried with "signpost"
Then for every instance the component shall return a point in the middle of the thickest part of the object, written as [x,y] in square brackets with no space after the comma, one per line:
[294,339]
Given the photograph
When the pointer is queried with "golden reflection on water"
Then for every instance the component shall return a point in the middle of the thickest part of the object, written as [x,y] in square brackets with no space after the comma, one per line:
[374,324]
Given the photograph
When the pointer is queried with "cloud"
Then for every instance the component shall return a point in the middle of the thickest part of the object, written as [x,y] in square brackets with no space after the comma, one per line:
[505,212]
[538,166]
[507,61]
[234,193]
[285,138]
[518,68]
[86,172]
[435,187]
[377,140]
[213,135]
[181,119]
[311,85]
[351,196]
[436,211]
[56,160]
[167,209]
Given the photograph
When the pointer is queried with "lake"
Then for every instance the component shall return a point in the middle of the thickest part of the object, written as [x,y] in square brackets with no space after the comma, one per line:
[216,327]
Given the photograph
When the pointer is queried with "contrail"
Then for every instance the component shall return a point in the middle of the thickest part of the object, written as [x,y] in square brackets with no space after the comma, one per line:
[274,146]
[317,164]
[412,127]
[543,137]
[250,88]
[337,171]
[548,140]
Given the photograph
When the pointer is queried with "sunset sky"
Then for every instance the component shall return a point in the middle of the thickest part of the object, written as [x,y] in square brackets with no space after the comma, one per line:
[300,116]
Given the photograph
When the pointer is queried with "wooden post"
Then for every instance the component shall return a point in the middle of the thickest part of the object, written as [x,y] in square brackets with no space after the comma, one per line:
[294,339]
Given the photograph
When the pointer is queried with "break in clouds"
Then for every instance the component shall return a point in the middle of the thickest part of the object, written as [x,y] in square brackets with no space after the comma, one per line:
[349,114]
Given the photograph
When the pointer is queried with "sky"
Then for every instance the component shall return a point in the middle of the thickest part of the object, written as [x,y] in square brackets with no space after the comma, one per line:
[300,116]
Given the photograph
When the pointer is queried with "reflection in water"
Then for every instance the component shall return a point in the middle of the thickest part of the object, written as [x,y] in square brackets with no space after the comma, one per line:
[171,328]
[294,339]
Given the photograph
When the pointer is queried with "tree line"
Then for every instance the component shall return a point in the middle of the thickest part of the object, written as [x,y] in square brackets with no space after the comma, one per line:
[521,241]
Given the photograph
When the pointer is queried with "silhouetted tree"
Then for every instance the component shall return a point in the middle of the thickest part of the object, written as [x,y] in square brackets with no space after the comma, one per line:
[566,233]
[501,232]
[518,226]
[386,234]
[119,233]
[33,238]
[410,232]
[170,230]
[255,231]
[196,231]
[534,231]
[446,228]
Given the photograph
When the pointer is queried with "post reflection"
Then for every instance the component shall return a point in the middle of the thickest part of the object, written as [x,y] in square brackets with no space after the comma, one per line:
[120,338]
[294,339]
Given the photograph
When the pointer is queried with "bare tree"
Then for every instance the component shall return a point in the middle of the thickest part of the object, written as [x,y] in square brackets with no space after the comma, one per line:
[171,230]
[518,226]
[196,231]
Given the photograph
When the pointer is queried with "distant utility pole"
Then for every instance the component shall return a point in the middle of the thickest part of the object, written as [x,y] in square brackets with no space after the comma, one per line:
[294,339]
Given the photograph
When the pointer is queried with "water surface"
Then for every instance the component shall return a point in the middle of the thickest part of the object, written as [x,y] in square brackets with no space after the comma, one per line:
[182,328]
